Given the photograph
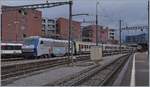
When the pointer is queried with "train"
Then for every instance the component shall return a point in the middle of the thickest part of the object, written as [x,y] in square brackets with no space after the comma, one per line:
[11,50]
[37,47]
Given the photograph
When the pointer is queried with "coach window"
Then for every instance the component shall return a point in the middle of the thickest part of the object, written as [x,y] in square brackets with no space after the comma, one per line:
[89,46]
[41,42]
[9,48]
[81,46]
[2,47]
[17,47]
[24,35]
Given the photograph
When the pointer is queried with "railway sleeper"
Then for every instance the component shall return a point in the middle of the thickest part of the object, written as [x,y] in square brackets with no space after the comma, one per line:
[81,78]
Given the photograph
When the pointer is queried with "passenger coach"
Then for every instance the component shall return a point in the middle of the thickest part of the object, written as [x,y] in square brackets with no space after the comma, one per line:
[37,47]
[11,50]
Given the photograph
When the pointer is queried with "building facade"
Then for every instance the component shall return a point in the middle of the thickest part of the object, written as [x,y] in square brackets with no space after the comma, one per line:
[18,24]
[112,36]
[141,38]
[89,34]
[48,27]
[62,29]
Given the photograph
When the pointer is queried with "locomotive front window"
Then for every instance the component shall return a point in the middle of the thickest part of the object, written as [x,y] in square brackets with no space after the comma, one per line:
[30,41]
[41,42]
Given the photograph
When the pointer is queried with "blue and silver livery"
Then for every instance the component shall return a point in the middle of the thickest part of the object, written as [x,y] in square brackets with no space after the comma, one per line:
[36,46]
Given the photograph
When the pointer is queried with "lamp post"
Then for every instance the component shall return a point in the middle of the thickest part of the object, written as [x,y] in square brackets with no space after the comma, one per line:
[70,47]
[71,37]
[97,23]
[120,22]
[148,28]
[1,23]
[70,24]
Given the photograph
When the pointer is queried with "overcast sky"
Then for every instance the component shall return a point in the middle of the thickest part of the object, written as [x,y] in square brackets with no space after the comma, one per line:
[133,12]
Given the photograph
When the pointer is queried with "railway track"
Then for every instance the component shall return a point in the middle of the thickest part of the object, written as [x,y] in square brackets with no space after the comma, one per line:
[105,53]
[24,68]
[12,59]
[22,59]
[98,75]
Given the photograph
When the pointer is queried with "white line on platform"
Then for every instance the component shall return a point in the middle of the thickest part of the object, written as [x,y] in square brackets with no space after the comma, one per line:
[132,81]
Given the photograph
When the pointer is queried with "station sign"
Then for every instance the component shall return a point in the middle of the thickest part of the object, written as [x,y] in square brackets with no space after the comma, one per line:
[135,28]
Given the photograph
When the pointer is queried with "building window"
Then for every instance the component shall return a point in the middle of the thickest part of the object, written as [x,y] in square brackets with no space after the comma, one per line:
[53,26]
[112,37]
[43,26]
[24,35]
[43,21]
[50,21]
[35,17]
[111,33]
[57,29]
[43,33]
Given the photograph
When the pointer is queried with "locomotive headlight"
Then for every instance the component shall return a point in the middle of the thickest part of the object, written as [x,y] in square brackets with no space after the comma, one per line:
[28,50]
[31,50]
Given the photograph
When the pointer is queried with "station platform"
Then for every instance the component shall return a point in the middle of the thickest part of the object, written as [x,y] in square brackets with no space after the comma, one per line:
[141,69]
[138,71]
[51,75]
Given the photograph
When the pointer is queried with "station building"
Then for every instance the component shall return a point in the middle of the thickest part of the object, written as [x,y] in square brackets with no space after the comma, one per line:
[141,38]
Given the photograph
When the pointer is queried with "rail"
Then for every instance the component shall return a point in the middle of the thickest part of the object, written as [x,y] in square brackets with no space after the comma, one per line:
[24,68]
[98,75]
[105,53]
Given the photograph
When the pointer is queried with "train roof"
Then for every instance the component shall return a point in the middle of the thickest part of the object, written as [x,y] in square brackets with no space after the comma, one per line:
[15,44]
[54,40]
[47,39]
